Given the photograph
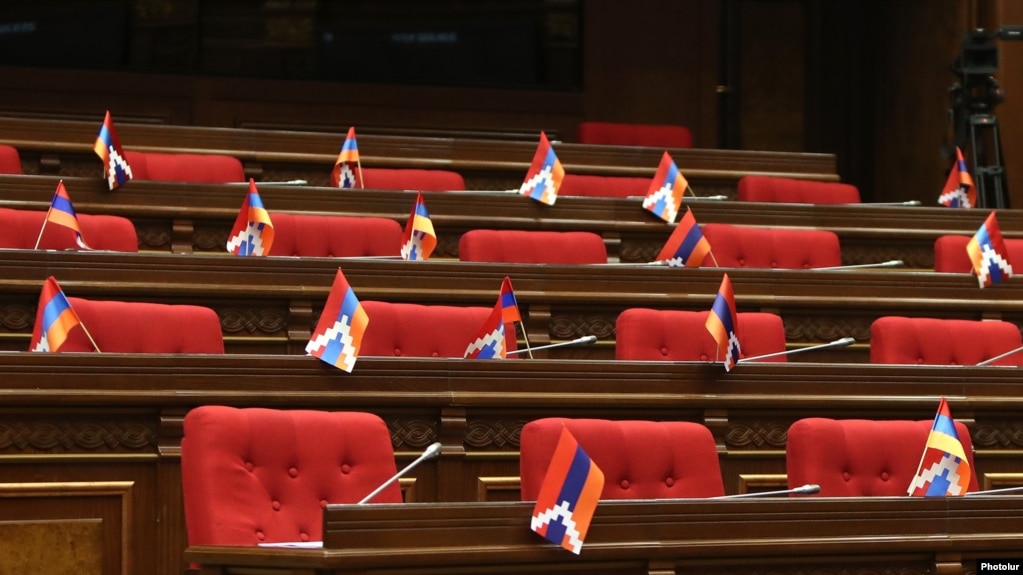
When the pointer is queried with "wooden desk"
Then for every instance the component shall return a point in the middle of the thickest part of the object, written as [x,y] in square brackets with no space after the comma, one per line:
[186,218]
[875,535]
[94,439]
[64,147]
[269,305]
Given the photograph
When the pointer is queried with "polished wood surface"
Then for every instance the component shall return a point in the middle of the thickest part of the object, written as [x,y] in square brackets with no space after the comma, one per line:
[64,147]
[269,305]
[186,218]
[100,433]
[845,535]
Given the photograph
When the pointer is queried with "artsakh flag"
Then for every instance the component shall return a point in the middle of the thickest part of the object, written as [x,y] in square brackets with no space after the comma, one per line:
[338,335]
[722,323]
[347,167]
[686,246]
[108,147]
[568,496]
[62,213]
[545,174]
[253,232]
[944,468]
[509,305]
[664,198]
[55,318]
[420,239]
[988,254]
[959,191]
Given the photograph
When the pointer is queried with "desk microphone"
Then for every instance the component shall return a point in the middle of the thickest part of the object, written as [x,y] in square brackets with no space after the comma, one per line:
[995,491]
[887,264]
[837,343]
[905,203]
[585,340]
[998,357]
[432,451]
[808,489]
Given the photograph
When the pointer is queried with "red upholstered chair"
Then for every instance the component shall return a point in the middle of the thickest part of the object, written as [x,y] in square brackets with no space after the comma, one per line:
[10,161]
[950,253]
[256,475]
[788,190]
[532,247]
[19,229]
[932,341]
[640,459]
[857,457]
[139,327]
[603,186]
[196,168]
[669,335]
[412,179]
[624,134]
[316,235]
[782,248]
[412,330]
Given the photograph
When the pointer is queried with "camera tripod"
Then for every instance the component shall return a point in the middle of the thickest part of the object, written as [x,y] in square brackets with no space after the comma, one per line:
[985,149]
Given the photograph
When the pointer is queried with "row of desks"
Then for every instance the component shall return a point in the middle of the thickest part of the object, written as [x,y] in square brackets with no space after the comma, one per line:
[187,218]
[64,147]
[92,441]
[269,305]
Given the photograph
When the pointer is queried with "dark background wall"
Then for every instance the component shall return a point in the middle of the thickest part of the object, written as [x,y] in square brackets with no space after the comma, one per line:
[867,80]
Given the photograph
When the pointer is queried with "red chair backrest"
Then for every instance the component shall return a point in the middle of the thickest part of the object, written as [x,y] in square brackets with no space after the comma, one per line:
[624,134]
[196,168]
[603,186]
[532,247]
[10,161]
[412,179]
[672,335]
[255,475]
[950,253]
[19,229]
[932,341]
[141,327]
[858,457]
[789,190]
[639,459]
[315,235]
[782,248]
[412,330]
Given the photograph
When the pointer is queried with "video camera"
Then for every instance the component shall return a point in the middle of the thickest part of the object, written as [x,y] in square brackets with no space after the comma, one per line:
[977,90]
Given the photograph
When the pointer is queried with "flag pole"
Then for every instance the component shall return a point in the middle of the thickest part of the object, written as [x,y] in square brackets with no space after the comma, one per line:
[529,349]
[358,165]
[46,218]
[712,258]
[84,329]
[690,190]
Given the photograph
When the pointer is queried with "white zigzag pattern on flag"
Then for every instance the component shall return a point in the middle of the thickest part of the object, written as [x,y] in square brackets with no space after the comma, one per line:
[251,231]
[676,263]
[340,332]
[560,511]
[115,161]
[990,258]
[669,201]
[492,338]
[956,194]
[926,476]
[733,343]
[544,177]
[346,176]
[43,345]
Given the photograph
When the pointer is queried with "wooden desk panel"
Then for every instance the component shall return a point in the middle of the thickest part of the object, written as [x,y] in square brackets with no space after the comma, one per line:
[111,419]
[64,147]
[859,535]
[269,305]
[186,218]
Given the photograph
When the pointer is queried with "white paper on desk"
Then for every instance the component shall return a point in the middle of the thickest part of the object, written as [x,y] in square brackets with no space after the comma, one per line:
[295,544]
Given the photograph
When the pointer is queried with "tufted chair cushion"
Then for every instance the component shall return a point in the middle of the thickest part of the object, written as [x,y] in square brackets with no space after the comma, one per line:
[10,160]
[670,335]
[412,330]
[19,229]
[640,459]
[315,235]
[412,179]
[263,475]
[781,248]
[603,186]
[623,134]
[789,190]
[139,327]
[932,341]
[858,457]
[197,168]
[532,247]
[950,254]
